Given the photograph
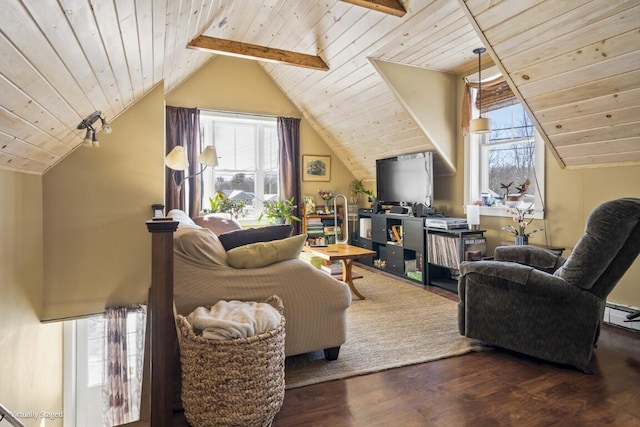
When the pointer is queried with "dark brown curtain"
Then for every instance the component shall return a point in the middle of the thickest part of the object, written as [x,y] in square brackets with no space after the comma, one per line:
[289,139]
[183,128]
[496,94]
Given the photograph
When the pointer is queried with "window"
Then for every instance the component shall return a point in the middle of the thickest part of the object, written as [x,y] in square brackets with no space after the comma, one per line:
[84,367]
[511,152]
[247,168]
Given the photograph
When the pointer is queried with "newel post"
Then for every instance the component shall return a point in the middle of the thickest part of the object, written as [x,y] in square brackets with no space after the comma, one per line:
[162,323]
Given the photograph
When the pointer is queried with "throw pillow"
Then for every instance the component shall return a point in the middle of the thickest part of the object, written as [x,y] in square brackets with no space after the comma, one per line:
[184,220]
[199,245]
[261,254]
[218,223]
[235,238]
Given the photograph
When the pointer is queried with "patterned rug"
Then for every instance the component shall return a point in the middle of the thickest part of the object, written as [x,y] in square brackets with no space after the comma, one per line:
[398,324]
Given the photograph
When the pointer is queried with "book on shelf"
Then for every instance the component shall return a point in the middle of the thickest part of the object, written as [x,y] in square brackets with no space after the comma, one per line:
[474,248]
[316,241]
[445,250]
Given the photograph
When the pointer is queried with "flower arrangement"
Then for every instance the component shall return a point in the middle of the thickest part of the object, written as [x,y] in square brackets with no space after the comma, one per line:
[327,195]
[519,217]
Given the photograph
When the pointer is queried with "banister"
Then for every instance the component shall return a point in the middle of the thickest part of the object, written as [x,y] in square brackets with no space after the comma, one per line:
[7,415]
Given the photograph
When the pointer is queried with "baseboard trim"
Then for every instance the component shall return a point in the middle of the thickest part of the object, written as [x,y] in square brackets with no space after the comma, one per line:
[616,315]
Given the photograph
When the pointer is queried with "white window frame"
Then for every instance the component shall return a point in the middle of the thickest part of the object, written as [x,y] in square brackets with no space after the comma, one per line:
[83,402]
[206,119]
[80,399]
[476,171]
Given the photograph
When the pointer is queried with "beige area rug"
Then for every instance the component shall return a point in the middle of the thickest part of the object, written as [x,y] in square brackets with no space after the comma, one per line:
[398,324]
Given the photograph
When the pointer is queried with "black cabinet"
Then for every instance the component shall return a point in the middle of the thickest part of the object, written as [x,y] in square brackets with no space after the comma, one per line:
[399,243]
[405,247]
[413,234]
[447,249]
[379,228]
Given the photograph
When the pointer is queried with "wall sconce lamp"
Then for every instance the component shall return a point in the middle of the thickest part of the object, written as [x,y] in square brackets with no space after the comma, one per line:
[177,160]
[481,124]
[91,139]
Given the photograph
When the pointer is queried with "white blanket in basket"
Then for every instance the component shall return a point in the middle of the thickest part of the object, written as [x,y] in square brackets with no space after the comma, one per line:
[235,319]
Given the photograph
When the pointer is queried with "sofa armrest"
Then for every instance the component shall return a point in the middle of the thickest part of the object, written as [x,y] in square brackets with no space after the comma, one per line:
[295,281]
[514,277]
[538,258]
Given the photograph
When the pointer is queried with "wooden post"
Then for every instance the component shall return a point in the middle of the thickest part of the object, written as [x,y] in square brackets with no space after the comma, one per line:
[162,323]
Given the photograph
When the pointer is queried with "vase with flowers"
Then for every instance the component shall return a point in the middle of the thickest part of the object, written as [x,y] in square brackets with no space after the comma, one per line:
[520,230]
[326,197]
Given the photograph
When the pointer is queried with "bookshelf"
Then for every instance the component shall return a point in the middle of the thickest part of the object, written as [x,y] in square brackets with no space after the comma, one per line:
[447,249]
[398,241]
[321,228]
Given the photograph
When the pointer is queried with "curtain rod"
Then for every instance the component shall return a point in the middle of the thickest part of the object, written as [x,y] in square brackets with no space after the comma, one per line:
[237,113]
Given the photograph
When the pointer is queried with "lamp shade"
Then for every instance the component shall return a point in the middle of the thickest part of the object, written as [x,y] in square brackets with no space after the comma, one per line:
[209,156]
[480,125]
[473,217]
[177,159]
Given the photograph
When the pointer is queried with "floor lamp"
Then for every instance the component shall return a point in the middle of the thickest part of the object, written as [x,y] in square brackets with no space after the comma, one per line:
[177,160]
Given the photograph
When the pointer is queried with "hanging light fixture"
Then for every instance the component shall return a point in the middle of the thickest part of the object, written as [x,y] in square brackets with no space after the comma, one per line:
[481,124]
[91,137]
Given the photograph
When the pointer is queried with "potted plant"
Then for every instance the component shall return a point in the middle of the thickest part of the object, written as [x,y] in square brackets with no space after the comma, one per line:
[279,211]
[356,187]
[221,203]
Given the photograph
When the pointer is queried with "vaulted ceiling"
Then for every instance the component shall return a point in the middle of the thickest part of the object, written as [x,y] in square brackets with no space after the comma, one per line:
[574,64]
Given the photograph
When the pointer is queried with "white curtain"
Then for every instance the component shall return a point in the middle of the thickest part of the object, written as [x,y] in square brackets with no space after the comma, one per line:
[124,353]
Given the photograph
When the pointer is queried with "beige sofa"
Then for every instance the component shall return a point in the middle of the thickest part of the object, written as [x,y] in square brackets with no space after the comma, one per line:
[314,304]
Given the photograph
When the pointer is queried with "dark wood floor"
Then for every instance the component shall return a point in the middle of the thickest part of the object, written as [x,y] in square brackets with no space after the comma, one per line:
[493,388]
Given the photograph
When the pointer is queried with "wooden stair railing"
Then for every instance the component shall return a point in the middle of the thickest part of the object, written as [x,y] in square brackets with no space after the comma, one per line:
[7,415]
[162,323]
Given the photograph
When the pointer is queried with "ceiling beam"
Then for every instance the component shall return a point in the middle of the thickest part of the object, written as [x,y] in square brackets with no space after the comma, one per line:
[260,53]
[392,7]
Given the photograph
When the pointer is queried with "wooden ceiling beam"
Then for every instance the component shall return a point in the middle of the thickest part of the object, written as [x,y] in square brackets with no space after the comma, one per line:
[261,53]
[392,7]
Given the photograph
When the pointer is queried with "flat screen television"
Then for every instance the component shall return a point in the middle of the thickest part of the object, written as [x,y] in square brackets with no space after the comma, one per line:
[405,179]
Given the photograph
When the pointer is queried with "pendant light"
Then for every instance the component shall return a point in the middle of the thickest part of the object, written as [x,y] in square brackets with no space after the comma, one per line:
[481,124]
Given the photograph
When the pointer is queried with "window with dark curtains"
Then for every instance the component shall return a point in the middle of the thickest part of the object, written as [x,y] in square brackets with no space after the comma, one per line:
[289,140]
[183,128]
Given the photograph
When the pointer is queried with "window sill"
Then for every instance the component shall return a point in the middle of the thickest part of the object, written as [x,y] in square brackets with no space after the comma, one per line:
[502,211]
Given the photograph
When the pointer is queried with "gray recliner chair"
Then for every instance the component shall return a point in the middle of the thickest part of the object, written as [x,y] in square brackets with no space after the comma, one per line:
[535,302]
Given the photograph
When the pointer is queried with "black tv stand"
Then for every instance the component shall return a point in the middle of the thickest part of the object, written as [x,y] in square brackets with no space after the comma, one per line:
[404,248]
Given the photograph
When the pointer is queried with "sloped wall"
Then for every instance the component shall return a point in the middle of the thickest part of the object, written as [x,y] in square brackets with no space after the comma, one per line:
[30,352]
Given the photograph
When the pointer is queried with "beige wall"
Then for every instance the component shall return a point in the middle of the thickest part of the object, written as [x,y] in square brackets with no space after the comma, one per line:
[571,195]
[30,352]
[430,97]
[240,85]
[96,202]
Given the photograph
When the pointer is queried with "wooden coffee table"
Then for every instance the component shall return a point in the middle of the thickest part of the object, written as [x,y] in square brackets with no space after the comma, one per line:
[345,253]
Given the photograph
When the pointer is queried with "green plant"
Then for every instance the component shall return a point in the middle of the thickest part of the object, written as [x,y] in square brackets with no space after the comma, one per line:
[279,211]
[356,187]
[221,203]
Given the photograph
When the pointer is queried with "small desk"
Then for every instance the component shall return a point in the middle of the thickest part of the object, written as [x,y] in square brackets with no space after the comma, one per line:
[345,253]
[559,250]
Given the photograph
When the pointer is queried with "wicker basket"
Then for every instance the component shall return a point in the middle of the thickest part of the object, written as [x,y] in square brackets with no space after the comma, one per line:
[236,382]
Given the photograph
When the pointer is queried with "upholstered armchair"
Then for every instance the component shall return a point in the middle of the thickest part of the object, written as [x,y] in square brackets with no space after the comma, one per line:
[535,302]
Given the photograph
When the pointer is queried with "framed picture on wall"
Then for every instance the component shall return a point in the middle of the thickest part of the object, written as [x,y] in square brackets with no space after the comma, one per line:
[316,168]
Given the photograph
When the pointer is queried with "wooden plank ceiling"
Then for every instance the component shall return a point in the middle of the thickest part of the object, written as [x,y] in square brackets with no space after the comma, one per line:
[575,64]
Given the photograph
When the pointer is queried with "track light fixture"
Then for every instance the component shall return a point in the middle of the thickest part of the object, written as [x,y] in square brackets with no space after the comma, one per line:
[481,124]
[91,137]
